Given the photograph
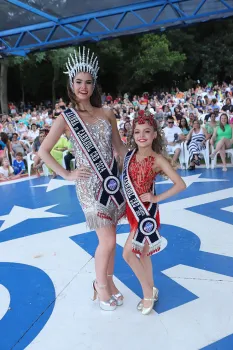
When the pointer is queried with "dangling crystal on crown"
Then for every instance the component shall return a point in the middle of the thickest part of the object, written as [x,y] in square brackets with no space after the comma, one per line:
[82,63]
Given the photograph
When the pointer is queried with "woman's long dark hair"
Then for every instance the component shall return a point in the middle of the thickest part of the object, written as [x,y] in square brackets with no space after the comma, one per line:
[186,124]
[95,98]
[220,122]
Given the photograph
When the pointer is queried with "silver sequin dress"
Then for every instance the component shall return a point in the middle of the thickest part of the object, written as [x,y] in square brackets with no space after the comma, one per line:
[97,215]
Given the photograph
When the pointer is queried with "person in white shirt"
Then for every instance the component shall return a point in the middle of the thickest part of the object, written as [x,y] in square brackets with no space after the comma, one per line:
[33,133]
[173,136]
[49,119]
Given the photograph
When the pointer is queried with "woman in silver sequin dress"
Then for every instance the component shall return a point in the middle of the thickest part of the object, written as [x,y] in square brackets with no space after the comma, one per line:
[101,124]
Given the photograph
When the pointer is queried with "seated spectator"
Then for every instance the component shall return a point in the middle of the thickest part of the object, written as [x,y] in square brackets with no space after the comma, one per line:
[69,156]
[128,128]
[18,164]
[131,113]
[18,146]
[178,114]
[7,148]
[6,171]
[173,136]
[22,130]
[215,105]
[9,129]
[40,121]
[57,151]
[184,126]
[122,121]
[228,106]
[199,106]
[56,112]
[116,113]
[191,118]
[211,125]
[222,139]
[35,148]
[197,137]
[2,150]
[62,104]
[49,119]
[166,111]
[123,136]
[33,133]
[193,110]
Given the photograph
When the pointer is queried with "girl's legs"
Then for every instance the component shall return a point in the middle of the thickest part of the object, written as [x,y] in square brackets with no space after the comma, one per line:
[138,268]
[147,265]
[103,254]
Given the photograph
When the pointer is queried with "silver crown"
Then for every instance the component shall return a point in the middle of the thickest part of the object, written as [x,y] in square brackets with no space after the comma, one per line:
[82,63]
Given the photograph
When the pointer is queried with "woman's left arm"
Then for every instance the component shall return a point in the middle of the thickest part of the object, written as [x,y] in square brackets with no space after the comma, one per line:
[206,135]
[116,140]
[167,169]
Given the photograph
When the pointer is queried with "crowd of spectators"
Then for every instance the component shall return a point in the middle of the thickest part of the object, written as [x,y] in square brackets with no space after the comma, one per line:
[194,117]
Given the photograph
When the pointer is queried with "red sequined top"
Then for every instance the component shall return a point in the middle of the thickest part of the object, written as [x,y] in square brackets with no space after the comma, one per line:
[142,176]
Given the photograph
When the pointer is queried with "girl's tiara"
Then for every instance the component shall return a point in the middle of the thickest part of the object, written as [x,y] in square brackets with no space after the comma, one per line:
[143,118]
[82,62]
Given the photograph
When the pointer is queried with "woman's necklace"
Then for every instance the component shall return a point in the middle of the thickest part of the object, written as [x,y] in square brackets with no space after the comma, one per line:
[89,112]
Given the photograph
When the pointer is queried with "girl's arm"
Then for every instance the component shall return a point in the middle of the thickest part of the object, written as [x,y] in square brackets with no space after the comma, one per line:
[116,140]
[167,169]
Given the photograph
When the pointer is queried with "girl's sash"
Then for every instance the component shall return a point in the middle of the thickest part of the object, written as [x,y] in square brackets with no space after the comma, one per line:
[111,188]
[147,226]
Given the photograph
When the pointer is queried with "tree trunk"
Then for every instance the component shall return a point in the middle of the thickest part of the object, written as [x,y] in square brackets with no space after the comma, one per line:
[22,84]
[55,77]
[3,86]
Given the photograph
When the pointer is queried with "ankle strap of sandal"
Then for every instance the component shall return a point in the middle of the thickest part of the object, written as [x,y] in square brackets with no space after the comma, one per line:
[101,286]
[109,275]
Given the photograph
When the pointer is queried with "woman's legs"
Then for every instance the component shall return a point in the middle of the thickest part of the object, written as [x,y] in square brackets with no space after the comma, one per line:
[139,270]
[223,156]
[103,255]
[222,143]
[221,146]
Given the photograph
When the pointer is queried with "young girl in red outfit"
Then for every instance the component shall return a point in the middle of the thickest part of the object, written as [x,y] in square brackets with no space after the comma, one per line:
[141,165]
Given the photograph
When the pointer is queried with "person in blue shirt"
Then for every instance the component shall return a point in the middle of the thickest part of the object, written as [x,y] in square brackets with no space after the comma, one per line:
[18,164]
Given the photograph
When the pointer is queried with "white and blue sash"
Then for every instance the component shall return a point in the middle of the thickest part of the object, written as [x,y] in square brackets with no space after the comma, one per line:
[147,225]
[111,189]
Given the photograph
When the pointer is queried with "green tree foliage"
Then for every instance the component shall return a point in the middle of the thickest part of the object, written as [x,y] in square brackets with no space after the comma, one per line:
[155,55]
[58,58]
[135,63]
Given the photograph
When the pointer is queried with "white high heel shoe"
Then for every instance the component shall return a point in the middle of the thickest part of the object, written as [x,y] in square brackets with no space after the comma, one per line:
[155,297]
[118,296]
[110,304]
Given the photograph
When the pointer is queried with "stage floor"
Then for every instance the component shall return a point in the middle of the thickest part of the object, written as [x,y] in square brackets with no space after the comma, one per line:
[47,269]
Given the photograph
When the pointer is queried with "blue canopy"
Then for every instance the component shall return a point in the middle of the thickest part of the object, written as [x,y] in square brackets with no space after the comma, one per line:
[30,25]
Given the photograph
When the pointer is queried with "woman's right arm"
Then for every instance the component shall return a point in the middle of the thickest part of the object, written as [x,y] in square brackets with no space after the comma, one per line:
[57,129]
